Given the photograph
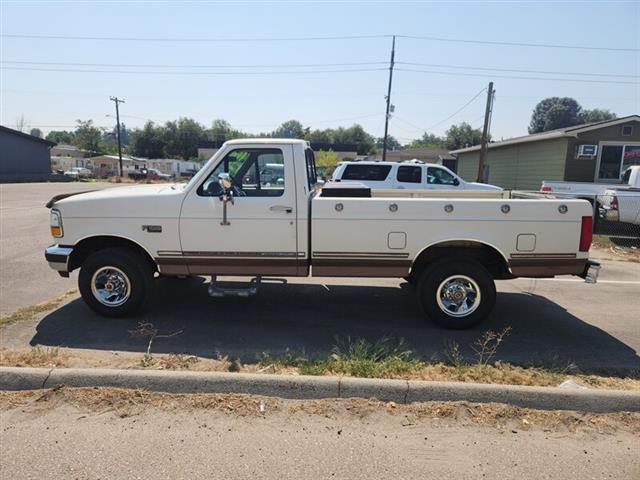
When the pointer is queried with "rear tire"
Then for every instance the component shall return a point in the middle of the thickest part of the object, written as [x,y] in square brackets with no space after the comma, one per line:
[456,293]
[115,282]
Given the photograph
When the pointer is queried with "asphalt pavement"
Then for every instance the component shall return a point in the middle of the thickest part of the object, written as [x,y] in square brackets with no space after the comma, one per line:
[558,322]
[301,440]
[25,277]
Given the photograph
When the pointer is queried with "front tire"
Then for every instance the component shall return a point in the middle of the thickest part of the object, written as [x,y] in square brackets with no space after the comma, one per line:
[456,293]
[115,282]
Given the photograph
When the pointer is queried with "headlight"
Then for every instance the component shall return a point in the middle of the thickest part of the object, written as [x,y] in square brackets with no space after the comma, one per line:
[56,223]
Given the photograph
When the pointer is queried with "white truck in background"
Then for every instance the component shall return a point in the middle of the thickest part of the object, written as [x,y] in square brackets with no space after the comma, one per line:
[622,204]
[256,209]
[588,190]
[410,175]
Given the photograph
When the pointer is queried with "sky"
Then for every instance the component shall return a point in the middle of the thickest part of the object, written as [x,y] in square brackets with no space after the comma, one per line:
[195,39]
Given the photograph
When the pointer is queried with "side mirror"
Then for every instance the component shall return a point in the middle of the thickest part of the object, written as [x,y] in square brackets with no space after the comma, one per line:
[456,182]
[224,180]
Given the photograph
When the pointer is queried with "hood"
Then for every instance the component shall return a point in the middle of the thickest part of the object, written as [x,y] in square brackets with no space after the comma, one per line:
[126,201]
[484,186]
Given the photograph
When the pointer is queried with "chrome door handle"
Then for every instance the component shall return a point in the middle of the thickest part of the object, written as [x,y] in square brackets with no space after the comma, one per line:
[281,208]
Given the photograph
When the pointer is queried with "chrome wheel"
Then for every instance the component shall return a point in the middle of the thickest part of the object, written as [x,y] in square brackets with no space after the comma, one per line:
[458,296]
[110,286]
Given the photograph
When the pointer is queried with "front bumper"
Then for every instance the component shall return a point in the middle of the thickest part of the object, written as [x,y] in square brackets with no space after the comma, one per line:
[58,258]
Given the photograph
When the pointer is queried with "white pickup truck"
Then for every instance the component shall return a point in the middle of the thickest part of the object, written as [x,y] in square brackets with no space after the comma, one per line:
[623,204]
[587,190]
[228,220]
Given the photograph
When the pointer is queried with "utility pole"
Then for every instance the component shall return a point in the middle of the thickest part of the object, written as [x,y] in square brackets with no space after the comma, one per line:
[485,133]
[117,101]
[388,97]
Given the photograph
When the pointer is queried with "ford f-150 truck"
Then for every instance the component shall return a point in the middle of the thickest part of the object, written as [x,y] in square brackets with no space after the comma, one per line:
[231,220]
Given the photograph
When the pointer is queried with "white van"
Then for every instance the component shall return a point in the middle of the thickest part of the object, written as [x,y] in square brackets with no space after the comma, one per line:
[411,174]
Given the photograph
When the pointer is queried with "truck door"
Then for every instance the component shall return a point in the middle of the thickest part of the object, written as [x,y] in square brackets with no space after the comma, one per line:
[259,237]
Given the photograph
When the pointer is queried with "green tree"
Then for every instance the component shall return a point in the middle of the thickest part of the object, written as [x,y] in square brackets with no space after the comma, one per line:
[222,131]
[36,132]
[148,141]
[597,115]
[326,161]
[87,136]
[555,112]
[356,135]
[392,143]
[182,138]
[460,136]
[289,129]
[428,140]
[320,136]
[60,137]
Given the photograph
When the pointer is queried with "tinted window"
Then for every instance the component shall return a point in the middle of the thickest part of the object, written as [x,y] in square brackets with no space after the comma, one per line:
[310,160]
[410,174]
[255,172]
[438,176]
[366,172]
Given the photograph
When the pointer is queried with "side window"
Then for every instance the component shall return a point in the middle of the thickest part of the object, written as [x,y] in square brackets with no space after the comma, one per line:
[438,176]
[255,172]
[310,161]
[366,172]
[409,174]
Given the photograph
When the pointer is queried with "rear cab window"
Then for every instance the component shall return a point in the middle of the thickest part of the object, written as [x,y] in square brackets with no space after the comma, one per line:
[376,173]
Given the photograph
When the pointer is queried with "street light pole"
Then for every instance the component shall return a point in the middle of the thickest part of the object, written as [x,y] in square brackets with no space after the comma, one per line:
[117,101]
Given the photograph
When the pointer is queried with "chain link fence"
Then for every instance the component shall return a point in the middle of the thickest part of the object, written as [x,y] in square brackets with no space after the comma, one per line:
[617,215]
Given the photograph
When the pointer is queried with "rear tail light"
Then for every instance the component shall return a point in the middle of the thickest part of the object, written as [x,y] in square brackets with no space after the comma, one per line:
[546,189]
[586,233]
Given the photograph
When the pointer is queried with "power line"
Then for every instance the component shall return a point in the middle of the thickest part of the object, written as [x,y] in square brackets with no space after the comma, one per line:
[134,65]
[496,69]
[159,72]
[457,111]
[193,39]
[516,77]
[520,44]
[317,38]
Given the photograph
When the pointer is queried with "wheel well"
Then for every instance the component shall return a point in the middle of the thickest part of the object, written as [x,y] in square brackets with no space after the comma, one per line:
[486,255]
[90,245]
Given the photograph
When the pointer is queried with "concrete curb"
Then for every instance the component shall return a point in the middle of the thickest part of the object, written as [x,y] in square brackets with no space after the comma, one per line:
[308,387]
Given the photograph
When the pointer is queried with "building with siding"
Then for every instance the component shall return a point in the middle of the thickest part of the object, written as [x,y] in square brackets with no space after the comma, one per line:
[595,152]
[23,157]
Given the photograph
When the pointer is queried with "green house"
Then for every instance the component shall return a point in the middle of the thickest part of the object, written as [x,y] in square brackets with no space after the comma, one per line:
[594,152]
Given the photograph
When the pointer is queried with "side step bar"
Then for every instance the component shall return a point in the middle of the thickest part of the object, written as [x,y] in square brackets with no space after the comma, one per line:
[218,291]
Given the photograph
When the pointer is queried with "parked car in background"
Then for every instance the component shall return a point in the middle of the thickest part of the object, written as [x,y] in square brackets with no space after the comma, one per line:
[622,204]
[588,190]
[411,174]
[148,174]
[78,172]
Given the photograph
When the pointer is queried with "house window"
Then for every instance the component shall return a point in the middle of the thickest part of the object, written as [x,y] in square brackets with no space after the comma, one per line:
[627,130]
[615,159]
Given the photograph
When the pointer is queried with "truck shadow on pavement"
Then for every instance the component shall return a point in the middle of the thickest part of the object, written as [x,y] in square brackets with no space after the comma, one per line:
[309,317]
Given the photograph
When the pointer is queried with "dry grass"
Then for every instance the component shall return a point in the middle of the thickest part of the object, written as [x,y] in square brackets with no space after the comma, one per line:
[124,403]
[604,245]
[34,357]
[29,313]
[497,373]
